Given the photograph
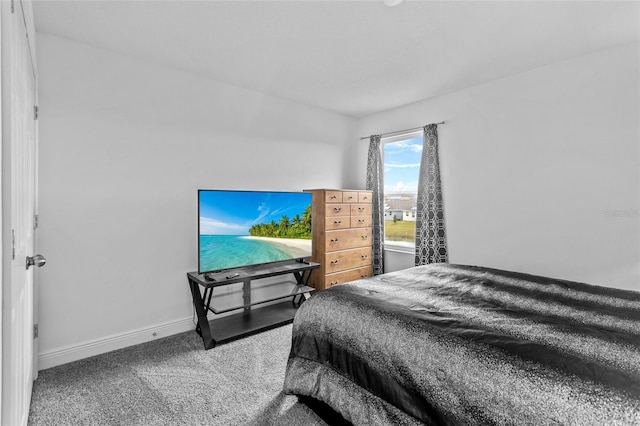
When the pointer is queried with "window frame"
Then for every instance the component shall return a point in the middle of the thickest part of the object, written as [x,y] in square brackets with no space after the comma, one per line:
[397,246]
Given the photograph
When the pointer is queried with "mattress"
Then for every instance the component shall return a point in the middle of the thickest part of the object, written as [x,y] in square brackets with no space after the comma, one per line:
[454,344]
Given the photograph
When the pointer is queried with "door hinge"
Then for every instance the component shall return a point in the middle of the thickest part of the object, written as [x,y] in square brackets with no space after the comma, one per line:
[35,112]
[12,7]
[35,222]
[13,244]
[35,331]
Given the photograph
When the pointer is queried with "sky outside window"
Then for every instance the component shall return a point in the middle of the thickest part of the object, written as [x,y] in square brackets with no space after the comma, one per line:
[402,165]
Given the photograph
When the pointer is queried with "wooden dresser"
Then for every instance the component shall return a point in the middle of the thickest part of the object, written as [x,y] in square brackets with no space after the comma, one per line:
[342,239]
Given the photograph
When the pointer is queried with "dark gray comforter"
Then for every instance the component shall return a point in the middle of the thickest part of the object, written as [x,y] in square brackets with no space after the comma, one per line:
[450,344]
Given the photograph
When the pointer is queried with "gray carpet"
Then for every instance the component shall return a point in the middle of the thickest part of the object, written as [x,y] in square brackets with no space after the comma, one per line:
[174,381]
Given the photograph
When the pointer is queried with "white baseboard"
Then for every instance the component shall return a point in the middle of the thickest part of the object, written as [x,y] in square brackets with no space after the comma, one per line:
[107,344]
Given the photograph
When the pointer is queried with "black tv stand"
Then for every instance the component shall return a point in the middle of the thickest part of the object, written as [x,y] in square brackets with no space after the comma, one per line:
[248,321]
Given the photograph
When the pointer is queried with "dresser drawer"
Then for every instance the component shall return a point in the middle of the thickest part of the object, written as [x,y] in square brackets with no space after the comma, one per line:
[337,222]
[332,210]
[365,197]
[350,197]
[333,196]
[361,221]
[361,209]
[346,276]
[347,259]
[348,238]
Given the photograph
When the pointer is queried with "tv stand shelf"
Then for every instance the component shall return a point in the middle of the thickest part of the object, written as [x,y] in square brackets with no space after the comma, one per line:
[248,321]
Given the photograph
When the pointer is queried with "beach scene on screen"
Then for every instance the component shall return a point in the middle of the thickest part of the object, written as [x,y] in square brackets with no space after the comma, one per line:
[240,228]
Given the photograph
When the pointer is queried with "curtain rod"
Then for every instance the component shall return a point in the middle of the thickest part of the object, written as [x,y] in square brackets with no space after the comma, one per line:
[399,132]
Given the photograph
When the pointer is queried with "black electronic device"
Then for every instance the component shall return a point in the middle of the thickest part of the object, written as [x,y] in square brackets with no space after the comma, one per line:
[245,228]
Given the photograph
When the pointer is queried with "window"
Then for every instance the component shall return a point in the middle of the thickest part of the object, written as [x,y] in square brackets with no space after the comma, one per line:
[401,159]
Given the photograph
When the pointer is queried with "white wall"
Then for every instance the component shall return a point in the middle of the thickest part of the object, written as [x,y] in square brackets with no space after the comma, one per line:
[124,145]
[533,167]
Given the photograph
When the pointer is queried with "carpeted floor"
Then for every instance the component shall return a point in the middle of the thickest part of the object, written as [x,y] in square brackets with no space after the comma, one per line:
[174,381]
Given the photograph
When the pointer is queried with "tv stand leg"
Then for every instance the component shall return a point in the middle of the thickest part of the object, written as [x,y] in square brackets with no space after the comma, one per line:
[299,298]
[202,328]
[246,295]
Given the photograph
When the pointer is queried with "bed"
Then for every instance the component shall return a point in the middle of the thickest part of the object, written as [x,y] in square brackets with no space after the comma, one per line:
[453,344]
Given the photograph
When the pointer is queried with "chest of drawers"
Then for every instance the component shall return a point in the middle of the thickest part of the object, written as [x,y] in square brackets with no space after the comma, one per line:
[341,222]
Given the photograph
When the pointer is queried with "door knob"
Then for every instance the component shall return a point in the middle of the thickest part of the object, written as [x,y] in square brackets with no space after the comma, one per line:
[37,260]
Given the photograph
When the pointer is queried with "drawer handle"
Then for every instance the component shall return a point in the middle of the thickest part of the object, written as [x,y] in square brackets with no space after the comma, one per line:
[360,209]
[334,240]
[337,222]
[337,209]
[365,198]
[334,197]
[332,283]
[364,256]
[350,197]
[361,220]
[364,275]
[364,237]
[334,262]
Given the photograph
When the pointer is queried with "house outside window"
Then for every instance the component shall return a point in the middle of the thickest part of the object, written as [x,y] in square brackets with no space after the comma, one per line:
[401,159]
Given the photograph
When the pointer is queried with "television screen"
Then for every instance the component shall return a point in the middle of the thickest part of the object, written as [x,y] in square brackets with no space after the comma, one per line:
[242,228]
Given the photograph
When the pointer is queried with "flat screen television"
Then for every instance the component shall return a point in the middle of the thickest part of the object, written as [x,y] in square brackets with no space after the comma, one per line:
[245,228]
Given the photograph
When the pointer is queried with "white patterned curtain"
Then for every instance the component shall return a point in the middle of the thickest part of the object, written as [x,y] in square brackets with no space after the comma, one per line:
[375,183]
[431,239]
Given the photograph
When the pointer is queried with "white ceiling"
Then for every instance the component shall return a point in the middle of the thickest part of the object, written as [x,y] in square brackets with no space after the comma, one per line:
[352,57]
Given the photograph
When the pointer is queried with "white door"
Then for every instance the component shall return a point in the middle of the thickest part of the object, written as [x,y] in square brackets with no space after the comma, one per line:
[19,191]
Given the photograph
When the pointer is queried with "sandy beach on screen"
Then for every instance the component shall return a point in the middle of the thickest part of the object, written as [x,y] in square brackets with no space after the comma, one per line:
[298,244]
